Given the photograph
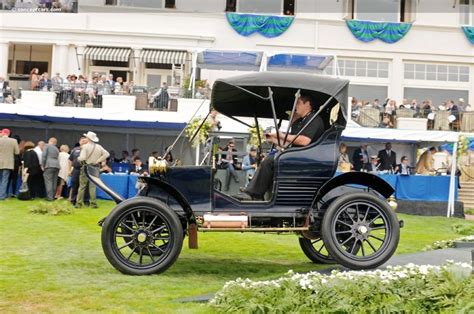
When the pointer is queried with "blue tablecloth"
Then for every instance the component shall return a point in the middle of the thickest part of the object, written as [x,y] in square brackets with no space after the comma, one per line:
[424,188]
[117,182]
[132,182]
[420,188]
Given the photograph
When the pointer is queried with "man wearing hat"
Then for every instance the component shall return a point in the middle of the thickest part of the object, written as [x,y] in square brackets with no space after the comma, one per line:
[249,164]
[91,154]
[8,149]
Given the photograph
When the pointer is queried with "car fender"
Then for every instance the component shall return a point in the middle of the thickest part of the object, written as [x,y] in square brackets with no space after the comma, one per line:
[360,178]
[169,189]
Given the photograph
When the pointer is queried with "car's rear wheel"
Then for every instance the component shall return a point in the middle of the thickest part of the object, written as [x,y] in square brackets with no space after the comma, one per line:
[142,236]
[316,250]
[360,231]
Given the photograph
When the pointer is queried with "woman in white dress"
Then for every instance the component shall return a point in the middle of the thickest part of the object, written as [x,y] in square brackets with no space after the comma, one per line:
[63,169]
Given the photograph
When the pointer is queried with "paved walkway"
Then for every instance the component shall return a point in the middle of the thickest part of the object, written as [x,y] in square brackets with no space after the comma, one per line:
[435,257]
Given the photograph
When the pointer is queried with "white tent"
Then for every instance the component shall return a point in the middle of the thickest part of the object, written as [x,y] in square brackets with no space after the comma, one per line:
[409,136]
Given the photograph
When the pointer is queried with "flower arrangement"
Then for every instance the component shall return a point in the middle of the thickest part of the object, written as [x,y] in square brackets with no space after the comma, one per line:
[203,132]
[409,288]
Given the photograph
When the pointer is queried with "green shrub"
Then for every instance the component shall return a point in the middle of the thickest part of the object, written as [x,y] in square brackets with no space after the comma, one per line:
[463,229]
[469,211]
[52,208]
[410,289]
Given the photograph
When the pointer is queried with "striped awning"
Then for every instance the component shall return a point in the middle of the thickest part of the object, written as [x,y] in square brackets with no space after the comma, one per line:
[107,54]
[163,56]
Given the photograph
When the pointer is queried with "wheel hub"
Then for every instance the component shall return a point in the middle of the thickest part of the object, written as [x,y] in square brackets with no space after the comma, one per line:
[141,237]
[360,231]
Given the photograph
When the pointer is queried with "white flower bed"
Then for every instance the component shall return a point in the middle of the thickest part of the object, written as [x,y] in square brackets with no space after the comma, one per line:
[410,287]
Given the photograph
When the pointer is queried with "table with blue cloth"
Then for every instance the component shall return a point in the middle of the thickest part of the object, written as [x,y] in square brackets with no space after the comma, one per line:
[117,182]
[424,188]
[419,187]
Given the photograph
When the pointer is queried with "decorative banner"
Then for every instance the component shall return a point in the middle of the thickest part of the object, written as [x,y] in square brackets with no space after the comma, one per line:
[389,32]
[469,32]
[266,25]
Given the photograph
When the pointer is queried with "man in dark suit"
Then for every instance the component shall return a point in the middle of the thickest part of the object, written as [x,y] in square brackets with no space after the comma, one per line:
[387,158]
[360,157]
[403,168]
[137,168]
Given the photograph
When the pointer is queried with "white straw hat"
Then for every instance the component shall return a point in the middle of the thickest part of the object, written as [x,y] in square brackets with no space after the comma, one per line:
[92,136]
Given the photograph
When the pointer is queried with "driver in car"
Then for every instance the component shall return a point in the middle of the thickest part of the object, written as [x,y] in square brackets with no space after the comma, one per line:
[263,178]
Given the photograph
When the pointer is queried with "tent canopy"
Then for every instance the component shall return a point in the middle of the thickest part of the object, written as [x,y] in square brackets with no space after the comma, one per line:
[298,62]
[236,96]
[95,122]
[229,60]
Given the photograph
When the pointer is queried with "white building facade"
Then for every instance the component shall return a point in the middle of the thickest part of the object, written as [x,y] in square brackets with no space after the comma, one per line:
[434,58]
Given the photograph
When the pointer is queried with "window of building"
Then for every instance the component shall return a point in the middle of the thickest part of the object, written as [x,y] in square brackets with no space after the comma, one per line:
[363,68]
[436,72]
[24,67]
[436,95]
[102,63]
[381,10]
[286,7]
[466,12]
[368,92]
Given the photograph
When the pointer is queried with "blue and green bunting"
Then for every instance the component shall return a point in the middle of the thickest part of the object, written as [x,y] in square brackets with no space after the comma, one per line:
[266,25]
[469,32]
[368,31]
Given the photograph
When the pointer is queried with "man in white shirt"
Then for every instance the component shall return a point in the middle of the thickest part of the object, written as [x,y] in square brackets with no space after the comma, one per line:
[39,149]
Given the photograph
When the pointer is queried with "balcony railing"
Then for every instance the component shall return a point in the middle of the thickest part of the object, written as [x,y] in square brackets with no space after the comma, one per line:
[90,95]
[438,120]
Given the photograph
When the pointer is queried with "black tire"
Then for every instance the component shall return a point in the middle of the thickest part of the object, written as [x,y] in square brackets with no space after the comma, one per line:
[152,221]
[316,251]
[349,225]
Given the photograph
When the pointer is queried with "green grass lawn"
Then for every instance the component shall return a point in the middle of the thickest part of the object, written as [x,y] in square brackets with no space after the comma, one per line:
[56,264]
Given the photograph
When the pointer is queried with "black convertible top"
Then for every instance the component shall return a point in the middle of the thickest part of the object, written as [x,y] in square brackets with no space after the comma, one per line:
[235,96]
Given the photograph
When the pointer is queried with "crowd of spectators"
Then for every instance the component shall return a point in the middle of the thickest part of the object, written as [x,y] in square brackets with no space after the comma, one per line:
[51,171]
[386,161]
[80,91]
[414,108]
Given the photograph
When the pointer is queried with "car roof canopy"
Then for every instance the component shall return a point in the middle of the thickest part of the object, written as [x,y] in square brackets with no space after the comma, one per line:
[239,95]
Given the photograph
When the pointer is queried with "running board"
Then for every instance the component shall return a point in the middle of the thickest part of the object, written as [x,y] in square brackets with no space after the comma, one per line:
[299,229]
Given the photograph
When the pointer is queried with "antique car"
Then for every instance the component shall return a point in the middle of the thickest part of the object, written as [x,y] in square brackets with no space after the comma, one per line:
[343,218]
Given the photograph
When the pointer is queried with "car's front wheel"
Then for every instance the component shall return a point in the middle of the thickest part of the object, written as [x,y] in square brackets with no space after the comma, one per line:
[142,236]
[360,231]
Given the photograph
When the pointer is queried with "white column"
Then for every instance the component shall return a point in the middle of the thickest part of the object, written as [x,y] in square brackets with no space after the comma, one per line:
[60,60]
[4,59]
[395,88]
[136,66]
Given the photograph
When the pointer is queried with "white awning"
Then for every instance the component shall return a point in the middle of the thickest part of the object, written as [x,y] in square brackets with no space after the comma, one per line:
[107,54]
[163,56]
